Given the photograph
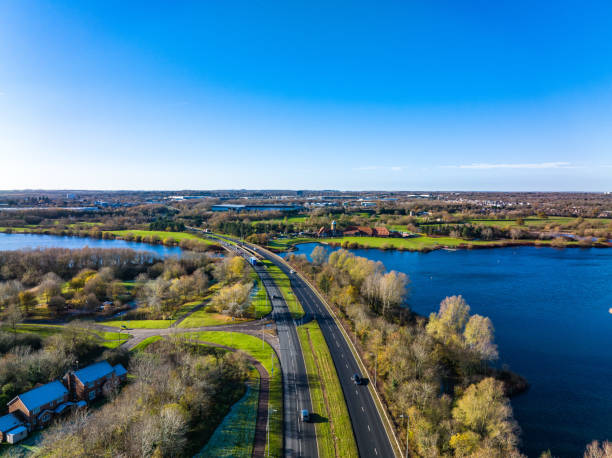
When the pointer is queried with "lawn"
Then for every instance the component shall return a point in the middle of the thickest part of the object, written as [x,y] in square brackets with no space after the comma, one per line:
[285,244]
[205,318]
[163,235]
[261,302]
[43,330]
[283,283]
[234,436]
[140,324]
[146,342]
[334,431]
[262,352]
[108,339]
[290,220]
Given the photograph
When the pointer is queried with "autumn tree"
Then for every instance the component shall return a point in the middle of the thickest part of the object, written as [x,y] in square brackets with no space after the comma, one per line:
[485,411]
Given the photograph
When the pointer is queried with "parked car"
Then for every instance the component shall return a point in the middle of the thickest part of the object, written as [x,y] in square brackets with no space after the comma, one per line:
[304,415]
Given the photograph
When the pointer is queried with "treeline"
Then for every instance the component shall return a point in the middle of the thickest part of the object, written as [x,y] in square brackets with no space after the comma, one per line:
[28,359]
[180,393]
[29,266]
[167,224]
[434,372]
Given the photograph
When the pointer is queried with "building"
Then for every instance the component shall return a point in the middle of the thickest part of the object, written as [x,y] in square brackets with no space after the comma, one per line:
[38,406]
[364,231]
[92,381]
[8,423]
[252,208]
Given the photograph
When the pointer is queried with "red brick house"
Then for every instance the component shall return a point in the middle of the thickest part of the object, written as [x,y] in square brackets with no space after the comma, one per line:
[92,381]
[38,406]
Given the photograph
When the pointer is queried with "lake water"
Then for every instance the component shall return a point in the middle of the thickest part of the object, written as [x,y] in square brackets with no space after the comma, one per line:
[550,312]
[22,241]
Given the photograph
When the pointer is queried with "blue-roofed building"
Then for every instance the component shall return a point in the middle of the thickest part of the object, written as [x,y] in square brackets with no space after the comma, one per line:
[7,423]
[36,407]
[92,381]
[120,372]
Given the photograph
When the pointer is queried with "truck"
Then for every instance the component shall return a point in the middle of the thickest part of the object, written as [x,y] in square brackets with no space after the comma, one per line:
[253,261]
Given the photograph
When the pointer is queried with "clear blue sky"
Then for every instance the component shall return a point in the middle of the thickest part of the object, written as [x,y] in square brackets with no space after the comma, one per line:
[355,95]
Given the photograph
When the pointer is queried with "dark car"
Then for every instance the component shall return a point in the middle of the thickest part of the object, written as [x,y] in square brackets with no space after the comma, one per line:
[357,379]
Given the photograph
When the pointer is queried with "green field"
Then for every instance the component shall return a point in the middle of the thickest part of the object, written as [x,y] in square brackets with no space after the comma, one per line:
[263,353]
[285,244]
[290,220]
[140,324]
[234,436]
[163,235]
[261,303]
[204,318]
[107,339]
[146,342]
[334,431]
[283,283]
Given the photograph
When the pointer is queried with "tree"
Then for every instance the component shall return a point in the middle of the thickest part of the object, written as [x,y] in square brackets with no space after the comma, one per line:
[392,290]
[27,300]
[450,320]
[50,286]
[478,336]
[13,317]
[484,410]
[318,255]
[595,450]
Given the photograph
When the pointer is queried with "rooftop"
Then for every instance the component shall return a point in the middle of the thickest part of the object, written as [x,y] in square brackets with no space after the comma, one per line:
[43,395]
[94,372]
[8,422]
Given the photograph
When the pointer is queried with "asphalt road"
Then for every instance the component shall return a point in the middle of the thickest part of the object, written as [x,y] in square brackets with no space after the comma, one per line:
[299,437]
[370,433]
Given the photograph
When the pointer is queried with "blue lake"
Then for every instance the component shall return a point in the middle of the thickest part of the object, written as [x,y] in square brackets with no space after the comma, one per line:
[550,312]
[22,241]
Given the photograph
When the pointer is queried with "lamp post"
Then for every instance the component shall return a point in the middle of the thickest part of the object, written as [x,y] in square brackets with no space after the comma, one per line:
[407,417]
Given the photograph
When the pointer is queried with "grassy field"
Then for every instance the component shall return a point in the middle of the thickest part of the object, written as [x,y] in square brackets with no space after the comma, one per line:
[291,219]
[146,342]
[261,303]
[204,318]
[283,283]
[284,244]
[334,431]
[163,235]
[140,324]
[266,356]
[234,436]
[107,339]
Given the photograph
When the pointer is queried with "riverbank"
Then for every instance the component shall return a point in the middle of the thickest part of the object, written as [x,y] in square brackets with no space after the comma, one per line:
[426,243]
[185,240]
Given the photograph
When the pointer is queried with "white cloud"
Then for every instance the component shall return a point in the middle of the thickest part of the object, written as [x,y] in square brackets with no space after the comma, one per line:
[535,165]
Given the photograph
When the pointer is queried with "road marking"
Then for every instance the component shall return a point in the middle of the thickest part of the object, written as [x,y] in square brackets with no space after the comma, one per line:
[376,451]
[362,409]
[369,428]
[357,392]
[347,366]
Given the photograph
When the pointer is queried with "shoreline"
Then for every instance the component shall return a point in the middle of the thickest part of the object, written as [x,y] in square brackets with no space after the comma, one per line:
[462,246]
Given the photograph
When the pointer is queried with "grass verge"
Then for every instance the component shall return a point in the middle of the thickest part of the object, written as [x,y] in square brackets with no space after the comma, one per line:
[234,436]
[140,324]
[267,357]
[332,422]
[146,342]
[283,283]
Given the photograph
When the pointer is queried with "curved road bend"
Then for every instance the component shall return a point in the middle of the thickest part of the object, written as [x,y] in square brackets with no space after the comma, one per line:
[370,434]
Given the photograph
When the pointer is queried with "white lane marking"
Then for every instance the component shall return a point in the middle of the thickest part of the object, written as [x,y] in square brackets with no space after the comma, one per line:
[376,451]
[369,428]
[357,392]
[347,366]
[362,409]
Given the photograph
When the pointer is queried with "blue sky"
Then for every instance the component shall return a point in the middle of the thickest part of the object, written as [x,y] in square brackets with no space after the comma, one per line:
[335,95]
